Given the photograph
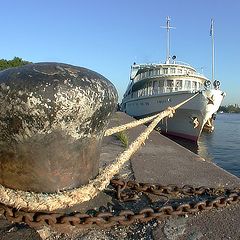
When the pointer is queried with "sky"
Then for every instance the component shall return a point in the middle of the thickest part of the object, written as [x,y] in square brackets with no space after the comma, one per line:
[107,36]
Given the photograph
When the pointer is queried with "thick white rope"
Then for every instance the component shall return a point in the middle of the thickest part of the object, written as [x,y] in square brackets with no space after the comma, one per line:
[53,201]
[126,126]
[136,123]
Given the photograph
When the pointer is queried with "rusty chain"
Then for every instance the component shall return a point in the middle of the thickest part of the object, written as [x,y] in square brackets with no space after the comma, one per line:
[128,191]
[124,195]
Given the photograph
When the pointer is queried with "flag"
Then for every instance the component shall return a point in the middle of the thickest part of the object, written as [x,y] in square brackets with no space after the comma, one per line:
[211,28]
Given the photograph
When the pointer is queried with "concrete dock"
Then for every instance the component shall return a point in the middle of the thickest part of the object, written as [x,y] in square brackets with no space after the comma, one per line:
[161,161]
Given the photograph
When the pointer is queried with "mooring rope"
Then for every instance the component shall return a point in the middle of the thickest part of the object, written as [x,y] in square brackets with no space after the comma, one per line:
[136,123]
[54,201]
[126,126]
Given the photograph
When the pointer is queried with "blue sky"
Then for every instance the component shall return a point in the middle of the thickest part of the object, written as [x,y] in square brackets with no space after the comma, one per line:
[107,36]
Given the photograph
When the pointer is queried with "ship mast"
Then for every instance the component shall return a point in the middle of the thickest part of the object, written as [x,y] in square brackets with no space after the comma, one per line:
[213,49]
[168,27]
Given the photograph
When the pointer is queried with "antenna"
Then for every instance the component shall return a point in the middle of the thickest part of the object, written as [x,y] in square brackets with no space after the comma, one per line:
[213,48]
[168,27]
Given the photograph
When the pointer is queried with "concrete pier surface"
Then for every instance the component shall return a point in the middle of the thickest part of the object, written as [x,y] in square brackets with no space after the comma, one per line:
[161,161]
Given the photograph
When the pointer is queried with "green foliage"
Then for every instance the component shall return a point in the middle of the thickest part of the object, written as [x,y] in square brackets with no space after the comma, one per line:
[229,109]
[123,137]
[15,62]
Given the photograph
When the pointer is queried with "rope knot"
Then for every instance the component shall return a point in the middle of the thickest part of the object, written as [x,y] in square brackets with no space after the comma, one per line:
[172,111]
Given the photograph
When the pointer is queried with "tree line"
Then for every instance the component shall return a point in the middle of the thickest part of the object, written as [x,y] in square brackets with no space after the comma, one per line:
[15,62]
[229,109]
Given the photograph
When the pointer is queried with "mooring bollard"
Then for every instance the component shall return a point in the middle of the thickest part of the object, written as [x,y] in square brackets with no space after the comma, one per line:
[52,120]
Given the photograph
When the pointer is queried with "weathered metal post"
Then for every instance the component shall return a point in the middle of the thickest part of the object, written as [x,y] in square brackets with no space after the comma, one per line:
[52,120]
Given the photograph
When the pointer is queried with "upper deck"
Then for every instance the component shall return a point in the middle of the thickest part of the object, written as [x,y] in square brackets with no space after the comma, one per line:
[152,79]
[143,71]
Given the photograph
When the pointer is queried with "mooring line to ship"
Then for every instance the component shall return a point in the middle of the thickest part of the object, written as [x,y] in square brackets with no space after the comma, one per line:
[136,123]
[54,201]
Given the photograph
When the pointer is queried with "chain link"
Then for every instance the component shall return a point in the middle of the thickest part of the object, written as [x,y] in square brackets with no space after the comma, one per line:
[128,191]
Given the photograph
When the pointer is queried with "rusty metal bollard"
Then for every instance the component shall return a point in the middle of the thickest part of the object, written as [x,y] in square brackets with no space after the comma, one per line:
[52,120]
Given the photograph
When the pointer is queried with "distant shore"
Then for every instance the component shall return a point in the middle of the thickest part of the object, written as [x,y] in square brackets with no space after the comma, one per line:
[229,109]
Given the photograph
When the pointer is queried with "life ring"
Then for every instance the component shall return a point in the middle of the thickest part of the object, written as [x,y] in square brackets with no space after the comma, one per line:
[207,83]
[216,84]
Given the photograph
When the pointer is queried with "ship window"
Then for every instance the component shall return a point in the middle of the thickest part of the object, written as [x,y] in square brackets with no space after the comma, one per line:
[169,83]
[149,89]
[165,70]
[180,71]
[187,84]
[161,83]
[172,70]
[155,87]
[194,85]
[155,72]
[178,84]
[161,86]
[144,90]
[140,92]
[151,73]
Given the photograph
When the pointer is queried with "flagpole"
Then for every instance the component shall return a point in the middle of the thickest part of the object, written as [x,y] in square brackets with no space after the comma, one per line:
[213,49]
[168,40]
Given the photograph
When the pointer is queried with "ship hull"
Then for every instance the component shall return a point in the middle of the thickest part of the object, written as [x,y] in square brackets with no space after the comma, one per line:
[189,119]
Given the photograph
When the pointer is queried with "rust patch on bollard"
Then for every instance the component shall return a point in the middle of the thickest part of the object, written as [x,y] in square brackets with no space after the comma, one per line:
[52,120]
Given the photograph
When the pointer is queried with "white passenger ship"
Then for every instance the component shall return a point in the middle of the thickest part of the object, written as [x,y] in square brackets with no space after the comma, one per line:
[154,87]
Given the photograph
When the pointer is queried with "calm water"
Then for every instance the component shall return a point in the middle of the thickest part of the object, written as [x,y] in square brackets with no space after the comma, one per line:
[222,146]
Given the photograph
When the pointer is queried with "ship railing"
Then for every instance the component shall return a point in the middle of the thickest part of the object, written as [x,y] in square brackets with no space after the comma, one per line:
[194,74]
[181,63]
[163,63]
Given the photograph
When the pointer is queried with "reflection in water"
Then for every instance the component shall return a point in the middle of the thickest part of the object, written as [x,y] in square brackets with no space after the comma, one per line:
[203,150]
